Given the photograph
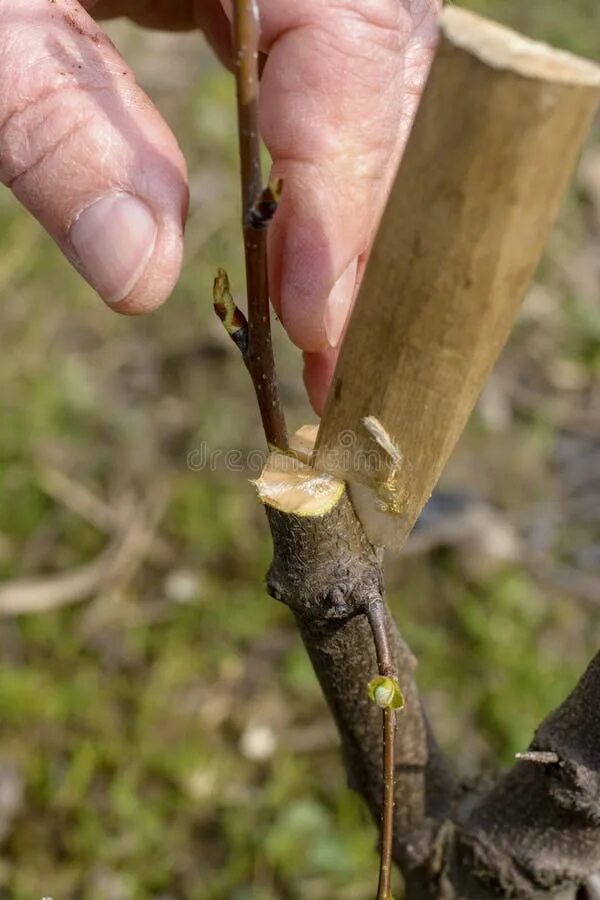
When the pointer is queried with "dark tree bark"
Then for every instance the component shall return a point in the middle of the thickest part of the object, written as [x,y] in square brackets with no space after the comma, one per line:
[535,834]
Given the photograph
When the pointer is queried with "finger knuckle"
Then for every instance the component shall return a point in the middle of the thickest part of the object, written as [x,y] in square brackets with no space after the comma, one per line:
[385,24]
[55,69]
[33,133]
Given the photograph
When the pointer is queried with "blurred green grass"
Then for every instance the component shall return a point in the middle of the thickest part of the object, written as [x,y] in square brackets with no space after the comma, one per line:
[168,733]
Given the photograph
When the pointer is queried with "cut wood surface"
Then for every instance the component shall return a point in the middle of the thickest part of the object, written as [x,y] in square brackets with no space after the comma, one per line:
[496,137]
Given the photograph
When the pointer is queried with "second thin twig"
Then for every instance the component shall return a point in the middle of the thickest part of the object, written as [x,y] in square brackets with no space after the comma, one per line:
[260,362]
[385,691]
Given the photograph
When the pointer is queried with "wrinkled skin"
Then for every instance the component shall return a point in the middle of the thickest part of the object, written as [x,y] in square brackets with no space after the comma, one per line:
[339,90]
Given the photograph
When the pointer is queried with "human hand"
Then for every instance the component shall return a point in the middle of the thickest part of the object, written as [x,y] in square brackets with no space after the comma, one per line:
[83,148]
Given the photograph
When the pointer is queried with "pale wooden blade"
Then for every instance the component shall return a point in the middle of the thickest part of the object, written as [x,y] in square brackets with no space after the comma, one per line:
[494,142]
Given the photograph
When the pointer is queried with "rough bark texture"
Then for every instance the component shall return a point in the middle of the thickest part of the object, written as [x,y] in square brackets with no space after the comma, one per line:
[535,834]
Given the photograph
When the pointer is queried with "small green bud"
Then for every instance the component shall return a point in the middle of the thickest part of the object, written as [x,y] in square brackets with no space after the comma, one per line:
[385,692]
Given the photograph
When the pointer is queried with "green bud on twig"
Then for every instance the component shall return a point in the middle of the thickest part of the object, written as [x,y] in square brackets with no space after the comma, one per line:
[385,692]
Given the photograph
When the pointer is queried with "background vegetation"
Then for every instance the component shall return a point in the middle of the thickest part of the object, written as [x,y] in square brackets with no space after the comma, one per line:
[165,737]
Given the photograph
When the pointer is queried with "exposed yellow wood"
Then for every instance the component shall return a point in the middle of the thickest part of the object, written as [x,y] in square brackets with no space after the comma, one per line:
[495,140]
[291,485]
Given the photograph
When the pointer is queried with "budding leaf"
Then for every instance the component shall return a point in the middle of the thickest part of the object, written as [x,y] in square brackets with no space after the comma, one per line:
[232,318]
[385,692]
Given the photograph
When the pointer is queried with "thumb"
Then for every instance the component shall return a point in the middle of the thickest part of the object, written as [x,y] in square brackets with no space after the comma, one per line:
[82,148]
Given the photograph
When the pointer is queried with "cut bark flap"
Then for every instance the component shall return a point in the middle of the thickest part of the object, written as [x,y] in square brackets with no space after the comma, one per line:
[494,142]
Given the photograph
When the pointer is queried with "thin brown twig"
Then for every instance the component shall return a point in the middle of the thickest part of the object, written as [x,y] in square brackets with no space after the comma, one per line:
[259,358]
[377,620]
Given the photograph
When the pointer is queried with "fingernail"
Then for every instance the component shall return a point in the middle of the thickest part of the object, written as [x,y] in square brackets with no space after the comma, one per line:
[338,303]
[113,240]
